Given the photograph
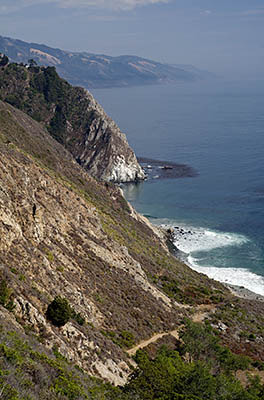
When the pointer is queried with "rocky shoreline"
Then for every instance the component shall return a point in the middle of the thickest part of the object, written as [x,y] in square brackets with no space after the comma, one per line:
[236,290]
[242,292]
[166,170]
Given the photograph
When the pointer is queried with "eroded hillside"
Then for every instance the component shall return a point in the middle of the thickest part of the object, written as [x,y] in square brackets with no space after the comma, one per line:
[62,233]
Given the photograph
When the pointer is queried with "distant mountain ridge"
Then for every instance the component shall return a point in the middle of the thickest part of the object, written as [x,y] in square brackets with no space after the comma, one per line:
[98,70]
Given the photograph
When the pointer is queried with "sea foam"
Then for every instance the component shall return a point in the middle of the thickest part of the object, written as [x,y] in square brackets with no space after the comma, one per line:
[234,276]
[190,240]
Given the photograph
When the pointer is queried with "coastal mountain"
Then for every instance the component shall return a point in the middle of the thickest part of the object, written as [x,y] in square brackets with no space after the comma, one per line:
[65,234]
[94,303]
[73,117]
[98,70]
[85,281]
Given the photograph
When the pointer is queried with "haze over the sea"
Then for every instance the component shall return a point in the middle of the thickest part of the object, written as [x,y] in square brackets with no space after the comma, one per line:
[225,37]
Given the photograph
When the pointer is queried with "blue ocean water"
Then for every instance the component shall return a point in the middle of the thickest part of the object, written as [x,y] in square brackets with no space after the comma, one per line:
[218,129]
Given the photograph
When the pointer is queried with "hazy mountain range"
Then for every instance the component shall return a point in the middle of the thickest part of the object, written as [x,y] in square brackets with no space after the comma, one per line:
[99,70]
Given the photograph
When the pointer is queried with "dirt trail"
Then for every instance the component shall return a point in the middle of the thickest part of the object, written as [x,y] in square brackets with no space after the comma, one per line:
[198,316]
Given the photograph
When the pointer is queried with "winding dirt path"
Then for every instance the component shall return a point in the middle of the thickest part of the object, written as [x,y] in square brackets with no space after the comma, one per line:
[202,311]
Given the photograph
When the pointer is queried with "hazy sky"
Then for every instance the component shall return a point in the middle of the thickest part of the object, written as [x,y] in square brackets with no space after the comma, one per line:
[223,36]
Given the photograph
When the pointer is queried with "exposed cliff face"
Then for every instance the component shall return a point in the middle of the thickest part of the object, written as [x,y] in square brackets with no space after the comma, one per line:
[63,233]
[104,151]
[74,118]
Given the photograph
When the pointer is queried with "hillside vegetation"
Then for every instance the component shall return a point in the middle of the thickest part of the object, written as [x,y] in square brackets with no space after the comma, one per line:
[84,278]
[30,372]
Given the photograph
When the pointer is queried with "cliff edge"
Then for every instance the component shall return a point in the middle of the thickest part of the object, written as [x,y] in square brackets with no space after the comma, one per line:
[74,118]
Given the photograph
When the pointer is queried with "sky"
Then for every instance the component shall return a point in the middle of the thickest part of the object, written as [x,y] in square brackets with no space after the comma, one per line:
[225,37]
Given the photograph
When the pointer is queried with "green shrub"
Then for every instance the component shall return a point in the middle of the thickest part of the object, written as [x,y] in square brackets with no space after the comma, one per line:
[78,318]
[202,344]
[14,100]
[123,339]
[6,295]
[126,339]
[59,311]
[69,386]
[252,337]
[170,286]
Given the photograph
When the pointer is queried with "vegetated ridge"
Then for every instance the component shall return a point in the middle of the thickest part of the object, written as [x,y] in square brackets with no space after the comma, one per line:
[99,70]
[73,118]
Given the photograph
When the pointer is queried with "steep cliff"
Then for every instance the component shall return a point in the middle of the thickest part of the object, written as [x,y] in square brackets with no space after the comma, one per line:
[62,233]
[74,118]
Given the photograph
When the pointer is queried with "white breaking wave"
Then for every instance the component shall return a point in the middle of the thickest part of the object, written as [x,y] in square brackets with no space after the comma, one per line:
[190,240]
[233,276]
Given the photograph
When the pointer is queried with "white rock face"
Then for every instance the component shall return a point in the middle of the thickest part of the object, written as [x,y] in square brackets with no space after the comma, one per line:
[123,171]
[115,373]
[101,148]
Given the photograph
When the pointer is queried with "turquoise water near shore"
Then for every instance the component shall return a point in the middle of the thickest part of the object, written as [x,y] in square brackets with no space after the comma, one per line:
[218,129]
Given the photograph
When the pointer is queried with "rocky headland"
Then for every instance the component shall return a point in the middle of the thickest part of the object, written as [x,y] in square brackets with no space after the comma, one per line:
[74,118]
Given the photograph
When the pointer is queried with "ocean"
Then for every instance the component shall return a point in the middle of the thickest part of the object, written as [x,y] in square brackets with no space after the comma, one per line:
[217,128]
